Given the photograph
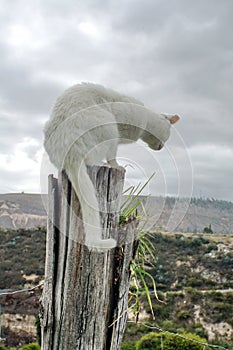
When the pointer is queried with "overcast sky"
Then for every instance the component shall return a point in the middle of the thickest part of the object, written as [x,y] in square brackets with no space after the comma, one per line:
[175,56]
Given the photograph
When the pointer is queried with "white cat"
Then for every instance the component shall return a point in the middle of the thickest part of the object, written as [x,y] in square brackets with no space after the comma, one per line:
[87,124]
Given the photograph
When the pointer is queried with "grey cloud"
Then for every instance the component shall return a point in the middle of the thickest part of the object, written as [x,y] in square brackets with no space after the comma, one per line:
[17,126]
[20,92]
[219,181]
[14,181]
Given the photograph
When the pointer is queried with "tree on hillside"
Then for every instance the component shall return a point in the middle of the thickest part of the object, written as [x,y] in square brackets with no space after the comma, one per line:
[208,229]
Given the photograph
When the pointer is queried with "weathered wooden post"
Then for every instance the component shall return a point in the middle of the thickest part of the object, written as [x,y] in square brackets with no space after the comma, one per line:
[85,297]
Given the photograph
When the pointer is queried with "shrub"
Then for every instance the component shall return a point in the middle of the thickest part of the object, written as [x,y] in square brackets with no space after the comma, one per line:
[194,282]
[152,341]
[169,326]
[211,246]
[194,294]
[208,229]
[198,329]
[129,345]
[172,342]
[183,315]
[31,346]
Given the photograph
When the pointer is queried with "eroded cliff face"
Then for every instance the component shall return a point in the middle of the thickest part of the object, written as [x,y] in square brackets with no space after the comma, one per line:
[19,323]
[13,216]
[219,330]
[18,317]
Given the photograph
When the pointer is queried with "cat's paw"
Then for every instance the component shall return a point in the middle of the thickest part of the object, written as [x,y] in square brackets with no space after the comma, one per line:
[113,164]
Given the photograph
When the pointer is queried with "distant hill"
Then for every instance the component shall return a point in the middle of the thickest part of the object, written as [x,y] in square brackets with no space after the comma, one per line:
[24,210]
[191,216]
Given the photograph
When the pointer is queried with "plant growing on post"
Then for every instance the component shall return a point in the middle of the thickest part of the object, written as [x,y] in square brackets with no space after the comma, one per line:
[145,255]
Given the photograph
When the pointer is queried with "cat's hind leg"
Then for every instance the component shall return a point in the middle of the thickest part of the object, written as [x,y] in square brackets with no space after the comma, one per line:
[90,208]
[111,155]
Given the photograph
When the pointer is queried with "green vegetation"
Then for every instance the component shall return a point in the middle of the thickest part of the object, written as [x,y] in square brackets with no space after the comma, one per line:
[22,252]
[132,202]
[145,252]
[194,261]
[154,341]
[166,341]
[216,203]
[140,276]
[208,229]
[189,271]
[130,345]
[31,346]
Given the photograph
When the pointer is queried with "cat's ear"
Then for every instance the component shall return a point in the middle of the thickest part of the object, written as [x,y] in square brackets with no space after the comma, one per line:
[173,119]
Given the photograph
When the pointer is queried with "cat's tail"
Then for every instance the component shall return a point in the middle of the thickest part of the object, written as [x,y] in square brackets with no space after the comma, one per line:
[86,193]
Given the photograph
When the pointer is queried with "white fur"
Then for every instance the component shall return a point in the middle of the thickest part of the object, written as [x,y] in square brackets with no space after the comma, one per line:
[87,124]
